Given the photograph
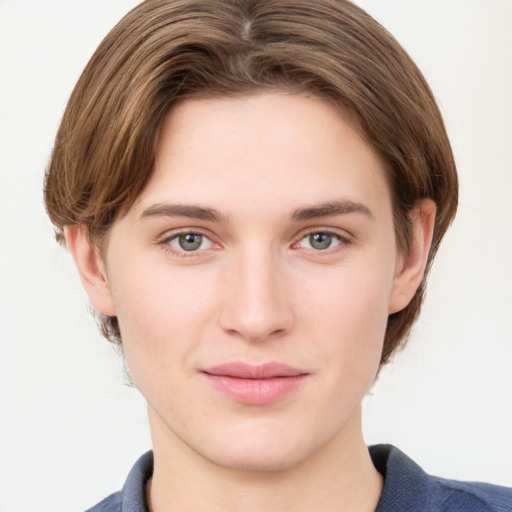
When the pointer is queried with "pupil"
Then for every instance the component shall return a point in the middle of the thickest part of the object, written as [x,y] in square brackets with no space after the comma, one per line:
[320,240]
[190,241]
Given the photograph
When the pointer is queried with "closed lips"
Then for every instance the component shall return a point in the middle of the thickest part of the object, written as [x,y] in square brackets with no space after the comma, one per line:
[247,371]
[255,385]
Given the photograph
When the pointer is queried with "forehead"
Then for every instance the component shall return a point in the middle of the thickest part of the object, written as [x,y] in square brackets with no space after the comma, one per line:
[273,149]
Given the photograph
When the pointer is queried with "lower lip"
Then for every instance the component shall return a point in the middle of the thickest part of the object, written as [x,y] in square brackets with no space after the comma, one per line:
[256,391]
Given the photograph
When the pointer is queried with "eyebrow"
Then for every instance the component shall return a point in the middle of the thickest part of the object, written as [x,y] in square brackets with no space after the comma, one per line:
[183,210]
[331,209]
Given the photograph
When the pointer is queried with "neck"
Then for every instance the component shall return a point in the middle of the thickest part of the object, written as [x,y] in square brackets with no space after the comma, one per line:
[340,477]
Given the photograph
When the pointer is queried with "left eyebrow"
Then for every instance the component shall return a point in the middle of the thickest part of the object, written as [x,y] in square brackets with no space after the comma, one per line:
[182,210]
[331,209]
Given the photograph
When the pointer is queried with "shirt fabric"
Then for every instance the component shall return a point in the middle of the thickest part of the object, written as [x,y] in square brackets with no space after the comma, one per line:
[407,488]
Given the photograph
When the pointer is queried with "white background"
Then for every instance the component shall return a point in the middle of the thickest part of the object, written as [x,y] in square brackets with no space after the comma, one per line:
[70,430]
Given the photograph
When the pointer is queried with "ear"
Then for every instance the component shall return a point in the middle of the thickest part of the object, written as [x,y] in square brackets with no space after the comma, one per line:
[411,266]
[91,269]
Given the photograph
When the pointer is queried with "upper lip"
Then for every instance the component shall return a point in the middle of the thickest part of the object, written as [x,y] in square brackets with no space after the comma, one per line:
[248,371]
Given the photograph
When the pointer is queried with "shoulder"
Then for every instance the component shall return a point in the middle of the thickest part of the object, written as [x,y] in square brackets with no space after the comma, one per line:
[132,497]
[111,504]
[472,496]
[408,488]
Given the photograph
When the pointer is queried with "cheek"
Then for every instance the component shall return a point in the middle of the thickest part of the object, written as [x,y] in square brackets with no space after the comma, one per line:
[348,319]
[354,299]
[162,315]
[151,296]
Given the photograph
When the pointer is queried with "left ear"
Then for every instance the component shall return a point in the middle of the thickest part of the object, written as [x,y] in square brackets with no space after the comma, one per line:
[411,266]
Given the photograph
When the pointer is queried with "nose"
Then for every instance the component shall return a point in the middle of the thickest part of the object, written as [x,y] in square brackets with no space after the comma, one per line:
[257,305]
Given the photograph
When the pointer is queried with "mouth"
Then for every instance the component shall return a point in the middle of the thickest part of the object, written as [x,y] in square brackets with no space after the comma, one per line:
[255,384]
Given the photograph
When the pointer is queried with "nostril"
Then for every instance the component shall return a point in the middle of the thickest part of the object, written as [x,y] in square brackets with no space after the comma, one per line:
[253,334]
[255,309]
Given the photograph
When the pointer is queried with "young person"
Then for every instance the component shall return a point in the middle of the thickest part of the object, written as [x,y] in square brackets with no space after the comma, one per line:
[253,193]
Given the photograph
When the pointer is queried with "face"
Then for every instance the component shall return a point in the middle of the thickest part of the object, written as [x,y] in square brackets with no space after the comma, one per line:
[253,278]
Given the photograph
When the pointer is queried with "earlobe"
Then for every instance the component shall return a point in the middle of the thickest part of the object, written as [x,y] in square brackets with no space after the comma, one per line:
[91,269]
[411,266]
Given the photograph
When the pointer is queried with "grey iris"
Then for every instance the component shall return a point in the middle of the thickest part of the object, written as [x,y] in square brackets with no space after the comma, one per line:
[190,241]
[320,241]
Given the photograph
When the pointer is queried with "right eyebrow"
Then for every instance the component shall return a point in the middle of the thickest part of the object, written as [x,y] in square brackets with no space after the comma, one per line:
[331,209]
[182,210]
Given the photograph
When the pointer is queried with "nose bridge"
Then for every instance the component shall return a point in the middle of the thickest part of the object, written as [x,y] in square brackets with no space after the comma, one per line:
[256,305]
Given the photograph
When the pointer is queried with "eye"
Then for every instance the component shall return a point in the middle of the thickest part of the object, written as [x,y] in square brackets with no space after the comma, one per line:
[320,241]
[189,242]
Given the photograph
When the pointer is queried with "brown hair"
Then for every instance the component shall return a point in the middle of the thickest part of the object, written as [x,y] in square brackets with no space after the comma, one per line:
[164,51]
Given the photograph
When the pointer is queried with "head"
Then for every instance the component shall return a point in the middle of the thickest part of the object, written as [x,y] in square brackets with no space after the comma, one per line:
[164,53]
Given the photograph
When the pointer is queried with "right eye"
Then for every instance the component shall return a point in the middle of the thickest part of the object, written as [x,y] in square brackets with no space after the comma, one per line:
[188,242]
[321,241]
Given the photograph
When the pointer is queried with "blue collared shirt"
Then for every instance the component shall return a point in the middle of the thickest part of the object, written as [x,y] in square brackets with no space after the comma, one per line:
[407,488]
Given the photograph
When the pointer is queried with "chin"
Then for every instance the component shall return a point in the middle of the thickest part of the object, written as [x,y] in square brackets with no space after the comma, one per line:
[261,460]
[266,451]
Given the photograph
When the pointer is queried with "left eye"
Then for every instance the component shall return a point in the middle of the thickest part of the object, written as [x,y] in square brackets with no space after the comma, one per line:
[320,241]
[190,242]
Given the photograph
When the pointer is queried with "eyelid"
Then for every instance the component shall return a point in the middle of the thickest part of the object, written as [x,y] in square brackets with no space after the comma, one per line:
[344,237]
[171,233]
[165,239]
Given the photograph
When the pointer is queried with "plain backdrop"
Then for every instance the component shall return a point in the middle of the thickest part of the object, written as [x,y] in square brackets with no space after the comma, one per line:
[70,429]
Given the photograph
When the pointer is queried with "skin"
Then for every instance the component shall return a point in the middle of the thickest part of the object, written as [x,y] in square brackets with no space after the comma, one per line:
[257,289]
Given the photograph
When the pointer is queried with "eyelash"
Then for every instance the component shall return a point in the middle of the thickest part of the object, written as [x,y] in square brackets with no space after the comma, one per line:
[343,241]
[166,243]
